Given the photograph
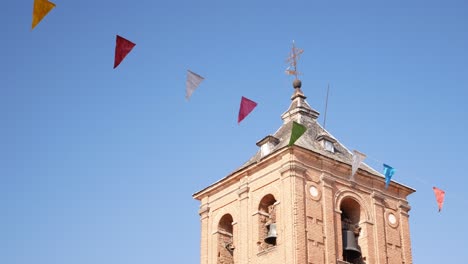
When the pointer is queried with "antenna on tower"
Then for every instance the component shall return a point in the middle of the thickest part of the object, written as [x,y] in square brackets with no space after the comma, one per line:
[326,107]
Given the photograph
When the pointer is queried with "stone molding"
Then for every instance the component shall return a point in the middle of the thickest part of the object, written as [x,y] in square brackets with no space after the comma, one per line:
[342,194]
[327,181]
[293,166]
[404,208]
[243,192]
[261,213]
[378,197]
[222,232]
[204,211]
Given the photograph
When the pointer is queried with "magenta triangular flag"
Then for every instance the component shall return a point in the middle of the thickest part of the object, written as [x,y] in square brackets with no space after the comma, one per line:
[122,48]
[440,195]
[246,106]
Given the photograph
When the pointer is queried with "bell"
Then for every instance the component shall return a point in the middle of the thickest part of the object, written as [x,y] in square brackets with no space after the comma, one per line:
[271,236]
[350,247]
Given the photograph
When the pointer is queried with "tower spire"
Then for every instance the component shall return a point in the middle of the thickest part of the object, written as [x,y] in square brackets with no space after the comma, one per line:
[299,108]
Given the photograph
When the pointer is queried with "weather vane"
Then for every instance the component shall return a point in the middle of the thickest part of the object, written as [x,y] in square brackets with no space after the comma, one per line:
[292,60]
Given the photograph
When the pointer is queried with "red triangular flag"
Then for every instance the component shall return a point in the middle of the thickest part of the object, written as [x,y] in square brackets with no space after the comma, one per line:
[122,48]
[440,195]
[246,106]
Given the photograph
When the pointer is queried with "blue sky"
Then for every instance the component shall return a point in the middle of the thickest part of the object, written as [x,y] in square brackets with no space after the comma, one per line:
[98,165]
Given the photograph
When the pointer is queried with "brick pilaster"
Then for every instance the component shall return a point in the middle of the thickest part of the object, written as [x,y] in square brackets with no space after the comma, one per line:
[380,240]
[204,217]
[329,219]
[404,229]
[242,248]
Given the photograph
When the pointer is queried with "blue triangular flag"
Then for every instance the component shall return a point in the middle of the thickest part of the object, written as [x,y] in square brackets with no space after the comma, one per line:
[388,171]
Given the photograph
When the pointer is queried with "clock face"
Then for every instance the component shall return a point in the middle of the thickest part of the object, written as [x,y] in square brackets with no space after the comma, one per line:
[391,218]
[313,191]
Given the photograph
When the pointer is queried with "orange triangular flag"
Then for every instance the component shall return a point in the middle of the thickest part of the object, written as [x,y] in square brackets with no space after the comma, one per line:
[440,195]
[122,48]
[40,10]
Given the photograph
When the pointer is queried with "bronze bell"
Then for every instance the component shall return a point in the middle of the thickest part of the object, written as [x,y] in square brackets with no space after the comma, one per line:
[271,236]
[350,247]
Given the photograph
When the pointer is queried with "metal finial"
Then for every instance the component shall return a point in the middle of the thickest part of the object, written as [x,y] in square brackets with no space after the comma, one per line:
[297,84]
[294,56]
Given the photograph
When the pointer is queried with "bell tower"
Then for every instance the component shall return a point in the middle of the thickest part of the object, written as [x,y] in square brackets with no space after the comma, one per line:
[299,204]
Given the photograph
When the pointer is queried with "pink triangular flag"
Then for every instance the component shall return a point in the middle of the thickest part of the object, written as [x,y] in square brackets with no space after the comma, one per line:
[122,48]
[246,106]
[440,195]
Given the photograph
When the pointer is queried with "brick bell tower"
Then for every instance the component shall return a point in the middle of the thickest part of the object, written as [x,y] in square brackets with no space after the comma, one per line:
[298,204]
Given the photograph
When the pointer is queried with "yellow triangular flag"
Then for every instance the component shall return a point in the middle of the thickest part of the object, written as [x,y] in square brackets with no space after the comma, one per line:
[41,9]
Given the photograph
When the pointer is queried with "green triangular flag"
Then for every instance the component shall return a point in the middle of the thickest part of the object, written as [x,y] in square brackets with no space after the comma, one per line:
[297,131]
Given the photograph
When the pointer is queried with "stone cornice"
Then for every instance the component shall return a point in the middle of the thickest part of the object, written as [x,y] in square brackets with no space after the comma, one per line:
[378,197]
[404,208]
[327,181]
[204,211]
[243,192]
[234,176]
[293,166]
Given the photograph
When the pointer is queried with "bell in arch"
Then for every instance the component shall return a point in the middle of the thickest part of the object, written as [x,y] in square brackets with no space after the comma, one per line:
[271,236]
[350,247]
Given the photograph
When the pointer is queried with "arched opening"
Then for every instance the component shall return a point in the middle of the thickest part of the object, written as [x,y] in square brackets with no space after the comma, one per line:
[350,219]
[267,222]
[225,240]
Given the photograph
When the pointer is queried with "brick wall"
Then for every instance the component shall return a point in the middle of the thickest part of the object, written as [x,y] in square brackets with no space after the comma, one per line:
[308,191]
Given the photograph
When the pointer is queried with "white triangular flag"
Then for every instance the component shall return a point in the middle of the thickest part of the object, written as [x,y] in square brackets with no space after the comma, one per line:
[358,157]
[193,80]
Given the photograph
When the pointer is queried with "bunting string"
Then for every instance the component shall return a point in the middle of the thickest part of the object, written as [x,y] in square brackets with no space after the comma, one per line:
[427,186]
[124,46]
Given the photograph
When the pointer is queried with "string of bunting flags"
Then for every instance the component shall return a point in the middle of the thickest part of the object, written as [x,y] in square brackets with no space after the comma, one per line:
[388,172]
[123,47]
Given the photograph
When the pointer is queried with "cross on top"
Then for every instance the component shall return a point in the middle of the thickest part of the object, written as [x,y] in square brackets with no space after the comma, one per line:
[294,56]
